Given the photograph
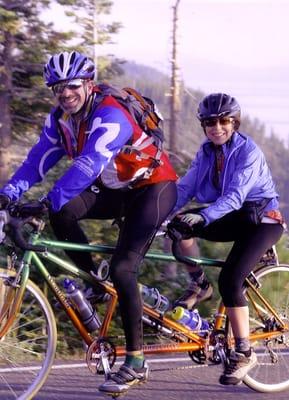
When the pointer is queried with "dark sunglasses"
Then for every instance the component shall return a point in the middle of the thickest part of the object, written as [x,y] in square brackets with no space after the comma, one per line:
[213,121]
[74,84]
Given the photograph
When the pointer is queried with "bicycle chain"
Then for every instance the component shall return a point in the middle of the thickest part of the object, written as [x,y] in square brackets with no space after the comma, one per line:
[168,368]
[178,368]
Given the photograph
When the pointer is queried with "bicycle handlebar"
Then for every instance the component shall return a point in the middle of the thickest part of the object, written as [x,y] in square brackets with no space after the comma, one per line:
[15,218]
[14,227]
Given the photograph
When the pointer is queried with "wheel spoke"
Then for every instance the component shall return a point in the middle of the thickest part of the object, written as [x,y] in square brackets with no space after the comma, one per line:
[28,346]
[272,371]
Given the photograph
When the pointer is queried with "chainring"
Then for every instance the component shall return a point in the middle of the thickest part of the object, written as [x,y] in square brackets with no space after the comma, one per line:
[198,356]
[99,350]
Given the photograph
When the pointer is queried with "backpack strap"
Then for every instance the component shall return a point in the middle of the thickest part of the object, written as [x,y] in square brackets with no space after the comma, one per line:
[142,110]
[81,136]
[58,113]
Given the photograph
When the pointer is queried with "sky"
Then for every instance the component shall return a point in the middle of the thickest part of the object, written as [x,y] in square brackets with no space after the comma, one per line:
[239,47]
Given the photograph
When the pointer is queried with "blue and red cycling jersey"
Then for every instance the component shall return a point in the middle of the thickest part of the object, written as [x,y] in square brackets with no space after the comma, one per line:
[108,128]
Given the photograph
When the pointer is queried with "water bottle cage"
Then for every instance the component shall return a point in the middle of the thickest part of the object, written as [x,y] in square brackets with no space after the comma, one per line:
[158,302]
[101,273]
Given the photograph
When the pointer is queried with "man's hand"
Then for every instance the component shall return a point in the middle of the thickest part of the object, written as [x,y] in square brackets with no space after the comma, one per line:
[191,219]
[34,208]
[4,201]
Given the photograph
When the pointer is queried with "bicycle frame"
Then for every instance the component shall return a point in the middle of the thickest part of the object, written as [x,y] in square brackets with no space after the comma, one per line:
[266,295]
[194,341]
[197,342]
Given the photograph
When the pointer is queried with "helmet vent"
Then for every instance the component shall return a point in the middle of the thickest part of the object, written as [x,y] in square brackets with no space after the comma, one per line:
[80,66]
[51,63]
[61,61]
[90,69]
[72,58]
[69,70]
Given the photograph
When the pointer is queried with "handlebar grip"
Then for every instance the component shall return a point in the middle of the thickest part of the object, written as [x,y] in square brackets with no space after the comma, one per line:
[16,224]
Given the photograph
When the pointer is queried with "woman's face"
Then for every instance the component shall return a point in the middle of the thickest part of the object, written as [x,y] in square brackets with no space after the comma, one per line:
[219,130]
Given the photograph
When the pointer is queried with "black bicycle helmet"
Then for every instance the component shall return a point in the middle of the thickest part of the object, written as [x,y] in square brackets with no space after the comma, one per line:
[218,105]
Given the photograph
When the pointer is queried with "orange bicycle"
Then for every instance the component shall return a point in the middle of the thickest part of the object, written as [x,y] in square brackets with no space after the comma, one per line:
[28,331]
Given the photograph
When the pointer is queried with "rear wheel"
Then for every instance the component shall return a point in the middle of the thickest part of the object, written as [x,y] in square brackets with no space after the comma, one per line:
[27,349]
[271,374]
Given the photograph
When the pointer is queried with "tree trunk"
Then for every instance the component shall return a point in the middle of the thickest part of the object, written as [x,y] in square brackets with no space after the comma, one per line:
[175,102]
[5,115]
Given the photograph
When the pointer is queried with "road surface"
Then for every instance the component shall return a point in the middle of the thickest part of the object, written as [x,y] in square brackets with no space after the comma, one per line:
[178,379]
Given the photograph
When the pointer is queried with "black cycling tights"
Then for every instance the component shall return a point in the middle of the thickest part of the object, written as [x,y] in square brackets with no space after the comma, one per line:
[250,243]
[144,210]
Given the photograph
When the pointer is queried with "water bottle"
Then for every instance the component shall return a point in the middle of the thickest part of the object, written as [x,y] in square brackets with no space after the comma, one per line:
[190,318]
[153,298]
[85,310]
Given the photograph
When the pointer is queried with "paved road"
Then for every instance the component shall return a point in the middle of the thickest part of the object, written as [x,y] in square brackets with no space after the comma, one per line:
[183,383]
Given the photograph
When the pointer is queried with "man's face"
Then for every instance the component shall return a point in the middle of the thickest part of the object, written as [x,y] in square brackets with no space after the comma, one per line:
[219,130]
[71,95]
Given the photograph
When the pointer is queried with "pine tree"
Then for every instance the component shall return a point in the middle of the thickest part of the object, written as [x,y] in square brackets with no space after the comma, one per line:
[25,42]
[88,15]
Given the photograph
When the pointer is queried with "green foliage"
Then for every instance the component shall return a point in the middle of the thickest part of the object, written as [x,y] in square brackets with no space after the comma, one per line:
[282,249]
[87,15]
[27,41]
[9,21]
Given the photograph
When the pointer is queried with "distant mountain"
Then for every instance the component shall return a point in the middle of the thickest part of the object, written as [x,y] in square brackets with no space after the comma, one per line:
[143,72]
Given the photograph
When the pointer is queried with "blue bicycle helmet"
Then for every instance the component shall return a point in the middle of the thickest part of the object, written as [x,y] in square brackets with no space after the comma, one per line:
[67,66]
[218,105]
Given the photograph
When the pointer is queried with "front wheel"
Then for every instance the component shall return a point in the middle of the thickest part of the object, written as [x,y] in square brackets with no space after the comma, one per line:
[271,374]
[28,348]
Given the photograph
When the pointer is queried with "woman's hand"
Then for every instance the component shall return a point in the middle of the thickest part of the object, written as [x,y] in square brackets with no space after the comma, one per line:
[182,226]
[191,219]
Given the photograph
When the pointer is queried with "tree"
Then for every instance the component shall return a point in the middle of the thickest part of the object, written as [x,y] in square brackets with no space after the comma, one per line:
[95,32]
[175,103]
[25,42]
[9,27]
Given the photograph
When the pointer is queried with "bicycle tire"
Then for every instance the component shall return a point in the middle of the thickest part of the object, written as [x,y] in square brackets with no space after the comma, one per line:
[271,374]
[29,345]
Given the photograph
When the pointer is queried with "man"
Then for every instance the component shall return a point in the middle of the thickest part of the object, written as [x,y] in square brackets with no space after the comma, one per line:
[103,182]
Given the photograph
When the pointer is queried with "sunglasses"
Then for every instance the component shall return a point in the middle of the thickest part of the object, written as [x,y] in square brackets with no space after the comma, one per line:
[74,84]
[213,121]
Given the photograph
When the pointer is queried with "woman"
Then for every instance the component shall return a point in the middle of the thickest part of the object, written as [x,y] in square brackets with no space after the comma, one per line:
[229,174]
